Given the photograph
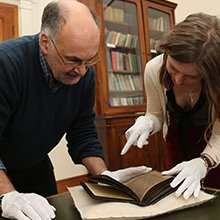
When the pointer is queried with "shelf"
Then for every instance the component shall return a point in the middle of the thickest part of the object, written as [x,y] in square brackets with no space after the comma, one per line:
[123,72]
[156,34]
[114,23]
[127,93]
[121,48]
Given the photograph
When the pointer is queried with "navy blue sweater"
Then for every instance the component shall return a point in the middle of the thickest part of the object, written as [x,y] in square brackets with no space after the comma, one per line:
[32,118]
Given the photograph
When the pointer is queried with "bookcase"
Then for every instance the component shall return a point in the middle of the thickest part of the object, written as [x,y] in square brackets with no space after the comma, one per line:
[123,55]
[130,31]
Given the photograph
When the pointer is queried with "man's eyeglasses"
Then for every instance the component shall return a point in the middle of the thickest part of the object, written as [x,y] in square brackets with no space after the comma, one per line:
[77,63]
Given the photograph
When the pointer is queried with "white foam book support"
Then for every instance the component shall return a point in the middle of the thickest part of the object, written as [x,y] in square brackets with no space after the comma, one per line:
[91,209]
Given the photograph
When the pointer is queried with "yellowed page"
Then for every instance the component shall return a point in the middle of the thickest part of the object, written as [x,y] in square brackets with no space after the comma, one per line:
[105,191]
[143,183]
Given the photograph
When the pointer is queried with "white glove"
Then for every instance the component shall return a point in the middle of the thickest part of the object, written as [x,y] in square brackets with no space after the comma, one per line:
[138,133]
[191,173]
[123,175]
[26,206]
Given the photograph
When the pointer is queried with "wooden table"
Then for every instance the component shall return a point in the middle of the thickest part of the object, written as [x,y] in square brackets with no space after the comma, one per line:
[65,210]
[207,211]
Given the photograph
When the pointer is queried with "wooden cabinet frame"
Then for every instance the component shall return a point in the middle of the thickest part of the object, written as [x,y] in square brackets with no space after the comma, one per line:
[111,131]
[163,6]
[102,104]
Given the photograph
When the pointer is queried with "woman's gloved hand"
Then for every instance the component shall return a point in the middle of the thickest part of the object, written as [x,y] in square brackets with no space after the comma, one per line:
[138,133]
[123,175]
[26,206]
[189,174]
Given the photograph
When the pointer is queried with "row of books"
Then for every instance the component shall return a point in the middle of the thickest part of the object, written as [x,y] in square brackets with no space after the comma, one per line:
[158,24]
[123,61]
[114,14]
[118,15]
[119,39]
[125,101]
[121,82]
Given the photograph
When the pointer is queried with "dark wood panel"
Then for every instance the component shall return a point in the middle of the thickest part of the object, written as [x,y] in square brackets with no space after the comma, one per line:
[111,133]
[62,185]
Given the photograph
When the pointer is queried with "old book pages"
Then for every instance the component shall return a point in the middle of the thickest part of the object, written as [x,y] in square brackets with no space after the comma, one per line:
[91,209]
[142,190]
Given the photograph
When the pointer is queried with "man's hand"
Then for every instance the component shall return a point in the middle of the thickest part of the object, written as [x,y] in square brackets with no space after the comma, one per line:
[138,133]
[190,173]
[123,175]
[26,206]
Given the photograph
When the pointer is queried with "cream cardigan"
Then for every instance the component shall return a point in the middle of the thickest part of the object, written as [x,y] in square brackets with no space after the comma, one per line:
[156,107]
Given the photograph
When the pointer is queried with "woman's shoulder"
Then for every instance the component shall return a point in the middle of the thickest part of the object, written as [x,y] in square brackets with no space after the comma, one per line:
[156,62]
[153,66]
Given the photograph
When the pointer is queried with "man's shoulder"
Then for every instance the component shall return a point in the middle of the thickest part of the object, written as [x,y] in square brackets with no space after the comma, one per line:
[19,43]
[19,51]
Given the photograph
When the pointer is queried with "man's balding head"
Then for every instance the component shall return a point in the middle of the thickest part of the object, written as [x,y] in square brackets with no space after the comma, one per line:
[58,13]
[69,34]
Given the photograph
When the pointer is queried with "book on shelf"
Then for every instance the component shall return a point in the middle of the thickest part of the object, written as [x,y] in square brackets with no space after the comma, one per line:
[126,101]
[114,14]
[119,39]
[114,60]
[159,24]
[142,190]
[123,61]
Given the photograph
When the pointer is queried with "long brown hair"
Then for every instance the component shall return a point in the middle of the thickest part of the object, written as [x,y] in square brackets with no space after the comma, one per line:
[196,40]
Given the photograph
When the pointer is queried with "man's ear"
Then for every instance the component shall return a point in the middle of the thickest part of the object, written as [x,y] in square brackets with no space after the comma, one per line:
[44,43]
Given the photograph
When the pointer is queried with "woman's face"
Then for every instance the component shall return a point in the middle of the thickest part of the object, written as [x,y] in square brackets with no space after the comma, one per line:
[182,73]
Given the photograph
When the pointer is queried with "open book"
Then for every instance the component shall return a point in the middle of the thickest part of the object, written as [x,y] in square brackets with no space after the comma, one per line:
[142,190]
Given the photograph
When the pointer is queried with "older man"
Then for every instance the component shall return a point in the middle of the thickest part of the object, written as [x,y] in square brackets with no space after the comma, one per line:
[47,89]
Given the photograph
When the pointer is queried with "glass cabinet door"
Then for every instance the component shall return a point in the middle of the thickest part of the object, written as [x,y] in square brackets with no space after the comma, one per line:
[159,19]
[123,53]
[158,25]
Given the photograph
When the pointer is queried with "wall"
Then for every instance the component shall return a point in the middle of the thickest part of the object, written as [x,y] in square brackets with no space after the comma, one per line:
[186,7]
[29,22]
[28,16]
[64,167]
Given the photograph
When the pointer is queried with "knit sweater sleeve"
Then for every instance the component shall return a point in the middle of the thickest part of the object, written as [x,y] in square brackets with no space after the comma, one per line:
[154,93]
[82,136]
[8,93]
[213,146]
